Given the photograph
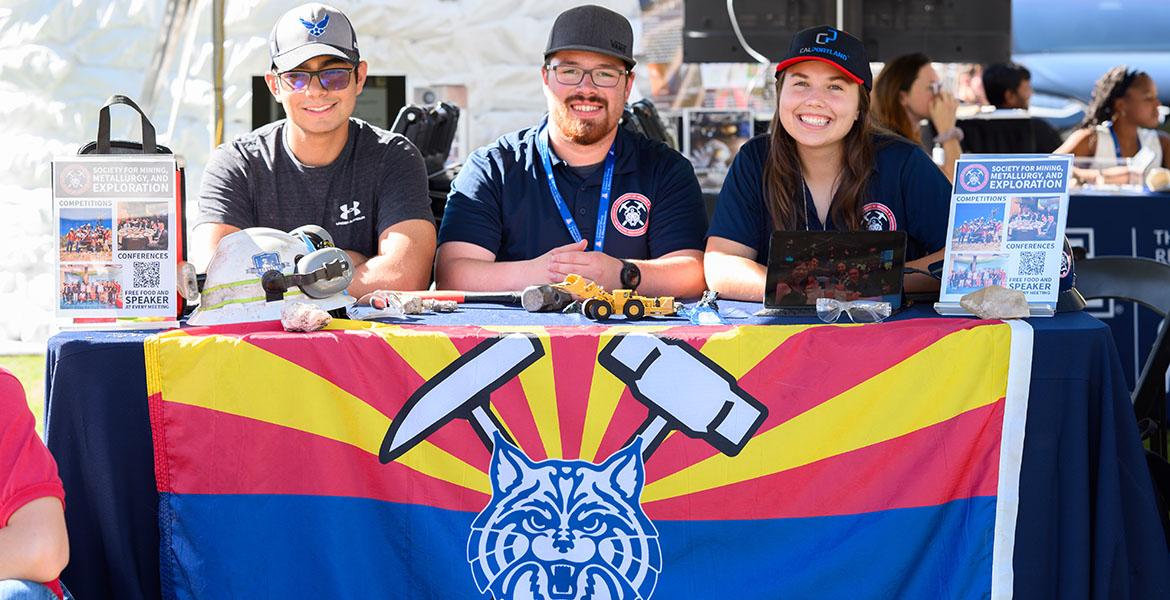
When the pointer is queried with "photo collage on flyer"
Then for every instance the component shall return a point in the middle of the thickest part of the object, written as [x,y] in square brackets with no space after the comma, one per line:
[1007,226]
[115,221]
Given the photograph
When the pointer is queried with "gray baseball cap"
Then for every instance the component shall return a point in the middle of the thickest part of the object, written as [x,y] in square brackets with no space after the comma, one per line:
[308,31]
[593,29]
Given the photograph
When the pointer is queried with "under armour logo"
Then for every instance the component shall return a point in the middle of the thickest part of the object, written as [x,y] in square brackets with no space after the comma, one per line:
[316,29]
[826,37]
[349,212]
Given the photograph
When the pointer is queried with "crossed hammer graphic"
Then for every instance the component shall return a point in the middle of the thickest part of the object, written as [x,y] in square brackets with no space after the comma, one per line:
[682,389]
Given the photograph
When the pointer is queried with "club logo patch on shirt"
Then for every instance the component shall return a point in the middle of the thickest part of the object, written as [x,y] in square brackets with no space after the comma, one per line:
[631,214]
[878,217]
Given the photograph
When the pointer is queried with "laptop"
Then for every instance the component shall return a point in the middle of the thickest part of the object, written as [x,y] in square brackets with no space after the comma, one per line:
[846,265]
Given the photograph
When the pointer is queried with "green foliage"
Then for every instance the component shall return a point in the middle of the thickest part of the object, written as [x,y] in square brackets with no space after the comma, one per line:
[30,370]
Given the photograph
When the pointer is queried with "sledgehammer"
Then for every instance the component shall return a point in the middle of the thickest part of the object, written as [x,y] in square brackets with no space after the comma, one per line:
[461,390]
[684,390]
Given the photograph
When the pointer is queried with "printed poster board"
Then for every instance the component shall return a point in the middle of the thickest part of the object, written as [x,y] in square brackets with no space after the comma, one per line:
[115,221]
[711,140]
[1006,228]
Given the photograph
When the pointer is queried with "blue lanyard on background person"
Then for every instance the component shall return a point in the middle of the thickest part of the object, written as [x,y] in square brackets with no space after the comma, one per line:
[1116,143]
[603,202]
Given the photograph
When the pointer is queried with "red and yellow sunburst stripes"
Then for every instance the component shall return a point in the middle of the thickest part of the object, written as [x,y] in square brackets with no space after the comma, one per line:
[859,418]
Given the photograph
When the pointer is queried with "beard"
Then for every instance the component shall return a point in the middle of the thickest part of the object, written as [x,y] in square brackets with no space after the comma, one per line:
[578,131]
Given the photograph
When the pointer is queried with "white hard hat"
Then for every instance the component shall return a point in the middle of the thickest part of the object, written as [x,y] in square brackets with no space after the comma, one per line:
[237,290]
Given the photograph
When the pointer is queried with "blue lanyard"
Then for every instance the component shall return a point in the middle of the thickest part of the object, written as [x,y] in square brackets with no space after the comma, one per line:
[602,204]
[1116,144]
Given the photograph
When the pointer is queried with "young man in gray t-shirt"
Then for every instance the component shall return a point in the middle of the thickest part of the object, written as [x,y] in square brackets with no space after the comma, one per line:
[365,185]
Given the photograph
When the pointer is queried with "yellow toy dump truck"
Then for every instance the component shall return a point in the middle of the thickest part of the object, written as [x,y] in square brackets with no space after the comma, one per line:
[599,304]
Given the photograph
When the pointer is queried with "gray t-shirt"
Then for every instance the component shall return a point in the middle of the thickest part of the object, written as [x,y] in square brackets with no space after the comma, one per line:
[378,180]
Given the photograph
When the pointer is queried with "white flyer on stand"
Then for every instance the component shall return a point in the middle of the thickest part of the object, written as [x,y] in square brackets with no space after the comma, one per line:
[115,219]
[1006,228]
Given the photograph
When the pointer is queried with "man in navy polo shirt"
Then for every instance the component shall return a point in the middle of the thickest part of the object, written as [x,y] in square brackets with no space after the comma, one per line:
[577,194]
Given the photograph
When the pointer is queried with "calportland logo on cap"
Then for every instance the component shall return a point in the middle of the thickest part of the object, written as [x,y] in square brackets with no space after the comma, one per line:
[822,39]
[318,28]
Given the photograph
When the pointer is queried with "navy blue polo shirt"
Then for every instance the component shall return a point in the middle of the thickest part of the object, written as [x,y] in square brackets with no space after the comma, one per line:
[501,201]
[907,192]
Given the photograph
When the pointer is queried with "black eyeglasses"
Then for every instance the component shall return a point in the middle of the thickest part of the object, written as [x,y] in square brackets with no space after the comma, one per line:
[605,77]
[331,79]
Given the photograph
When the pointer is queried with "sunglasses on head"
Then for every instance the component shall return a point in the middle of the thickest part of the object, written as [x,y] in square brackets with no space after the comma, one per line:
[332,79]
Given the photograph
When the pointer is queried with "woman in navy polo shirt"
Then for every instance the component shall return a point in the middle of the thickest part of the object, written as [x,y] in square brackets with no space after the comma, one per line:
[823,166]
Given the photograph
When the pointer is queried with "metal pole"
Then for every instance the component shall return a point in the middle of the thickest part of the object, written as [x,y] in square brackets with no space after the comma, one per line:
[217,38]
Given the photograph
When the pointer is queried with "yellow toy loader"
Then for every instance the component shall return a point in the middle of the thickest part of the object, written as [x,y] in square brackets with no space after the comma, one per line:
[599,304]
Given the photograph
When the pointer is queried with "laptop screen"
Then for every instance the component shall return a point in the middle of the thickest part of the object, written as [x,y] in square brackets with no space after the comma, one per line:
[846,265]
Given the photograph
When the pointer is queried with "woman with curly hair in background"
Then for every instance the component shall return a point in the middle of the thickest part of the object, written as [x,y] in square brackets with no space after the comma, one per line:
[1121,123]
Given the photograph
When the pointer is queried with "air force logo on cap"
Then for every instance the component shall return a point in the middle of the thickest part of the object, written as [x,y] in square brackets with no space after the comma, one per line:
[309,31]
[316,29]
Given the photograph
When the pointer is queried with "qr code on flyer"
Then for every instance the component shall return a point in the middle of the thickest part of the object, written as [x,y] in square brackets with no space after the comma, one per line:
[1032,263]
[146,274]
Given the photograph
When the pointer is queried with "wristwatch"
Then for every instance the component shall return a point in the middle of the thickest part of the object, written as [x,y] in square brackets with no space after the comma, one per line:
[631,275]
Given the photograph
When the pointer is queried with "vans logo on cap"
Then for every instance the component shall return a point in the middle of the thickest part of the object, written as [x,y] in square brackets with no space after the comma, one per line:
[318,28]
[827,37]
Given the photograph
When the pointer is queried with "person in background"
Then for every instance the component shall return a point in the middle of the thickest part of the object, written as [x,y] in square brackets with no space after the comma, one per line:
[909,90]
[1009,87]
[577,193]
[823,167]
[320,166]
[1121,122]
[969,87]
[34,546]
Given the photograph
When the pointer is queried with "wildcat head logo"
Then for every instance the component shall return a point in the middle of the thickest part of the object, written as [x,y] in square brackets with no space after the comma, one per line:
[318,28]
[564,529]
[570,529]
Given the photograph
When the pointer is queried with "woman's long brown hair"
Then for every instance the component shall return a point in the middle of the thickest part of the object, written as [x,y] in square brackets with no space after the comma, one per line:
[897,76]
[784,184]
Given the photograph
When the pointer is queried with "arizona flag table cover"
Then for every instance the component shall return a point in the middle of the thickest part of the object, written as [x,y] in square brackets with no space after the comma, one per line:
[589,462]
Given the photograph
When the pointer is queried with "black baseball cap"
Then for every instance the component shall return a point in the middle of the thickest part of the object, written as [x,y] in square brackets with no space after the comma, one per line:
[593,29]
[833,46]
[309,31]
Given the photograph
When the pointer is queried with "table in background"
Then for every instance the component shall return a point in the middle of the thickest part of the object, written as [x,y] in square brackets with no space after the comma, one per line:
[1123,224]
[1087,527]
